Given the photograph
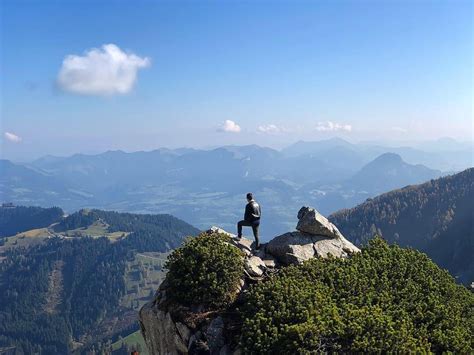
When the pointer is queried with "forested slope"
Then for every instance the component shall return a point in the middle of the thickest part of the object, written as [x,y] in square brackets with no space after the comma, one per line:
[435,217]
[66,292]
[18,219]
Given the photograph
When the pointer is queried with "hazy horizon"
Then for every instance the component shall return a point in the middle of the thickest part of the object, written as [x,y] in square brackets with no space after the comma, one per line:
[423,145]
[110,75]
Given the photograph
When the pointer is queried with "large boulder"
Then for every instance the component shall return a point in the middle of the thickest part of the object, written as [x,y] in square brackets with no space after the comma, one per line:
[291,247]
[312,222]
[296,247]
[254,266]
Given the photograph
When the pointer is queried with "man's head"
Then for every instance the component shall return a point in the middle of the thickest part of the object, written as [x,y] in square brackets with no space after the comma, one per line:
[249,196]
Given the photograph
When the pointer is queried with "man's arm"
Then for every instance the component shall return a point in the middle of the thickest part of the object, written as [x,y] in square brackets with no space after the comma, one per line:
[248,212]
[256,211]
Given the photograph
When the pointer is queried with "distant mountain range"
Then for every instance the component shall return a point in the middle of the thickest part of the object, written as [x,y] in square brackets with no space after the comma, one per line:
[207,187]
[445,154]
[436,217]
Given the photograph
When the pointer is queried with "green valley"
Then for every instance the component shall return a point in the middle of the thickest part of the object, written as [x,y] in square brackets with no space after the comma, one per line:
[76,282]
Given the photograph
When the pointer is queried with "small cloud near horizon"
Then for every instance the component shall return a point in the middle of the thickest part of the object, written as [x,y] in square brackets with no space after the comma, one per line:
[229,126]
[269,128]
[399,129]
[104,72]
[330,126]
[12,137]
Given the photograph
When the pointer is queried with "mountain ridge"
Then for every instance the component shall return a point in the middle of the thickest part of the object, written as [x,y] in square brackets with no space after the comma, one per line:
[77,283]
[389,171]
[435,217]
[187,183]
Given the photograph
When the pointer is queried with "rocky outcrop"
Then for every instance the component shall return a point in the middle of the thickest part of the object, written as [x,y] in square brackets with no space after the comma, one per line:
[255,266]
[163,334]
[312,222]
[169,328]
[315,236]
[296,247]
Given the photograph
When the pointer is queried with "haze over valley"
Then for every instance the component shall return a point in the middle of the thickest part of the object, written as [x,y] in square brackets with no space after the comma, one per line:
[207,187]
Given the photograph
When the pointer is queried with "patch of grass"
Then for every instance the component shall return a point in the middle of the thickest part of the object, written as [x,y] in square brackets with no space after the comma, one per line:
[96,230]
[36,236]
[27,239]
[143,276]
[131,341]
[33,233]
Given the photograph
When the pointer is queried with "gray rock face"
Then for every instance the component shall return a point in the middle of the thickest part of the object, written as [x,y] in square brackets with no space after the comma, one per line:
[162,335]
[244,244]
[166,334]
[215,335]
[312,222]
[215,229]
[339,247]
[296,247]
[292,247]
[254,266]
[316,236]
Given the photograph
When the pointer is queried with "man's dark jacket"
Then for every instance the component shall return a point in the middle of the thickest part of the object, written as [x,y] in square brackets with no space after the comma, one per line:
[252,211]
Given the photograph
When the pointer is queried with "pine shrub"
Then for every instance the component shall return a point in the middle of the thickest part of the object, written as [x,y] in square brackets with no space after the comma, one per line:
[384,299]
[205,270]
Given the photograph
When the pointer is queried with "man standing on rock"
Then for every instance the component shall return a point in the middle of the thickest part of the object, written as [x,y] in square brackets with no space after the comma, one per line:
[252,216]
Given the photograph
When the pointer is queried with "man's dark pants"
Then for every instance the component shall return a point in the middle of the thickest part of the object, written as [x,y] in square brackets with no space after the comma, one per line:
[254,225]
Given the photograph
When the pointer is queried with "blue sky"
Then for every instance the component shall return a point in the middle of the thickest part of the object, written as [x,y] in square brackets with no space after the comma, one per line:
[202,73]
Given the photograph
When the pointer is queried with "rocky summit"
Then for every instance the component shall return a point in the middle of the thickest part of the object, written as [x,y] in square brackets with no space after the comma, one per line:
[312,222]
[169,328]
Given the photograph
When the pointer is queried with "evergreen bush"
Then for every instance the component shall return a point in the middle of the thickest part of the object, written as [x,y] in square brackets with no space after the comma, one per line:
[206,270]
[384,299]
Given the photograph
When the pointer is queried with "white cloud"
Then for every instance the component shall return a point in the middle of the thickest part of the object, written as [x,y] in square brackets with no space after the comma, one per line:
[104,71]
[329,126]
[399,129]
[229,126]
[12,137]
[269,128]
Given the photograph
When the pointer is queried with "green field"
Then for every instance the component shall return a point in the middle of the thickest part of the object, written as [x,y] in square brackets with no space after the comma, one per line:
[131,341]
[95,230]
[27,239]
[143,276]
[36,236]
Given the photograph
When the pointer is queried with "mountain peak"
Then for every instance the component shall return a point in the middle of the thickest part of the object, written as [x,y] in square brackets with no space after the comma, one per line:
[389,171]
[390,158]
